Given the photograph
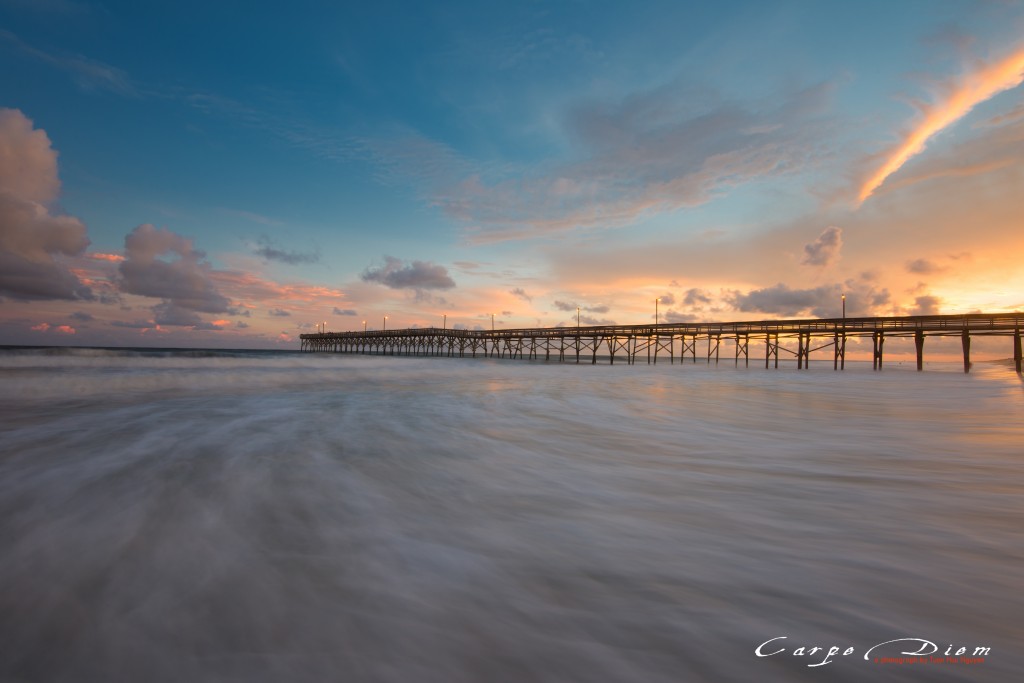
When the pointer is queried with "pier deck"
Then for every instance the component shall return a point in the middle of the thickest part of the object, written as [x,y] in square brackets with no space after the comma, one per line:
[630,343]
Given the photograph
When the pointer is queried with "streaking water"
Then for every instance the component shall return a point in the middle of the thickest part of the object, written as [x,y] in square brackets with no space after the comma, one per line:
[287,517]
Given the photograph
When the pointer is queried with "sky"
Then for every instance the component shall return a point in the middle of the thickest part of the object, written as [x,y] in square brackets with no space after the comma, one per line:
[234,174]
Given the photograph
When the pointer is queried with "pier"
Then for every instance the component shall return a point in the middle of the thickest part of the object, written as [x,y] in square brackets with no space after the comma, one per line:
[738,341]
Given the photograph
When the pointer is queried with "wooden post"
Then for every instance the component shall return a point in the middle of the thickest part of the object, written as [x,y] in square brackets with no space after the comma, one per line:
[1017,349]
[965,339]
[919,343]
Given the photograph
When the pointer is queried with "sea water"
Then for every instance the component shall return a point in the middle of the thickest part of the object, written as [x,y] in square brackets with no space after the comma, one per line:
[237,516]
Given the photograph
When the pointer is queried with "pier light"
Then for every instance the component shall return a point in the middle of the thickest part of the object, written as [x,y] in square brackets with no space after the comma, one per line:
[577,317]
[444,323]
[385,323]
[656,310]
[492,322]
[844,308]
[364,327]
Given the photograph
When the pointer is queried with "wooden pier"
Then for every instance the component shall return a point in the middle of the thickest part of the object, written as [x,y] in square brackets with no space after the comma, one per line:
[629,343]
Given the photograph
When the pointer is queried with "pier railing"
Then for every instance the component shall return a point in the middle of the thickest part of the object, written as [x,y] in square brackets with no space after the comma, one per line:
[631,342]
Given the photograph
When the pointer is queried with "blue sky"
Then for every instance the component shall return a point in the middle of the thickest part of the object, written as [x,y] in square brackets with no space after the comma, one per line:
[421,159]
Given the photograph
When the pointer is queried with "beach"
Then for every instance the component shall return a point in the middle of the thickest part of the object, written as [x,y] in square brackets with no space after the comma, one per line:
[260,516]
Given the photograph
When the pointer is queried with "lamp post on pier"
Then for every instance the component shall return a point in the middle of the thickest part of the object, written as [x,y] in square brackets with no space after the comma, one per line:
[444,324]
[364,327]
[577,318]
[492,322]
[656,310]
[385,324]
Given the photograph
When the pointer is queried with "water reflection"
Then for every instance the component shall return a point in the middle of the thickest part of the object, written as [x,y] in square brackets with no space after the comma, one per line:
[434,520]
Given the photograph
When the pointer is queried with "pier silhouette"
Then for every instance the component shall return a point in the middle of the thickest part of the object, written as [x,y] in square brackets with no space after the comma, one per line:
[668,341]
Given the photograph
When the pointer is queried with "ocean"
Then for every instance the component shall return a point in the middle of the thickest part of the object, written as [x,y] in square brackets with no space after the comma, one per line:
[260,516]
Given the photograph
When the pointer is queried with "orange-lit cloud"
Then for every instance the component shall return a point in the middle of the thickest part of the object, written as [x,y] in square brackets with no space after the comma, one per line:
[114,258]
[971,90]
[47,327]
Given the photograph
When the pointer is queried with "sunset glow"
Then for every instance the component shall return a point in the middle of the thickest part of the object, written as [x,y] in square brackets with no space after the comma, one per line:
[971,90]
[538,167]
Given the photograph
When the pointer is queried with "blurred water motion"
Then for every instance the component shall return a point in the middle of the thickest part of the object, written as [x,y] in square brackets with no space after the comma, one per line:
[247,517]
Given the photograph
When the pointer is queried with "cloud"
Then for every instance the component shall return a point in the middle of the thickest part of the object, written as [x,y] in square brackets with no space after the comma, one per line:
[518,291]
[133,325]
[167,313]
[565,306]
[270,252]
[824,301]
[162,264]
[416,275]
[34,243]
[923,267]
[961,96]
[641,154]
[51,7]
[696,296]
[926,305]
[88,74]
[824,250]
[279,312]
[59,329]
[346,311]
[82,316]
[677,317]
